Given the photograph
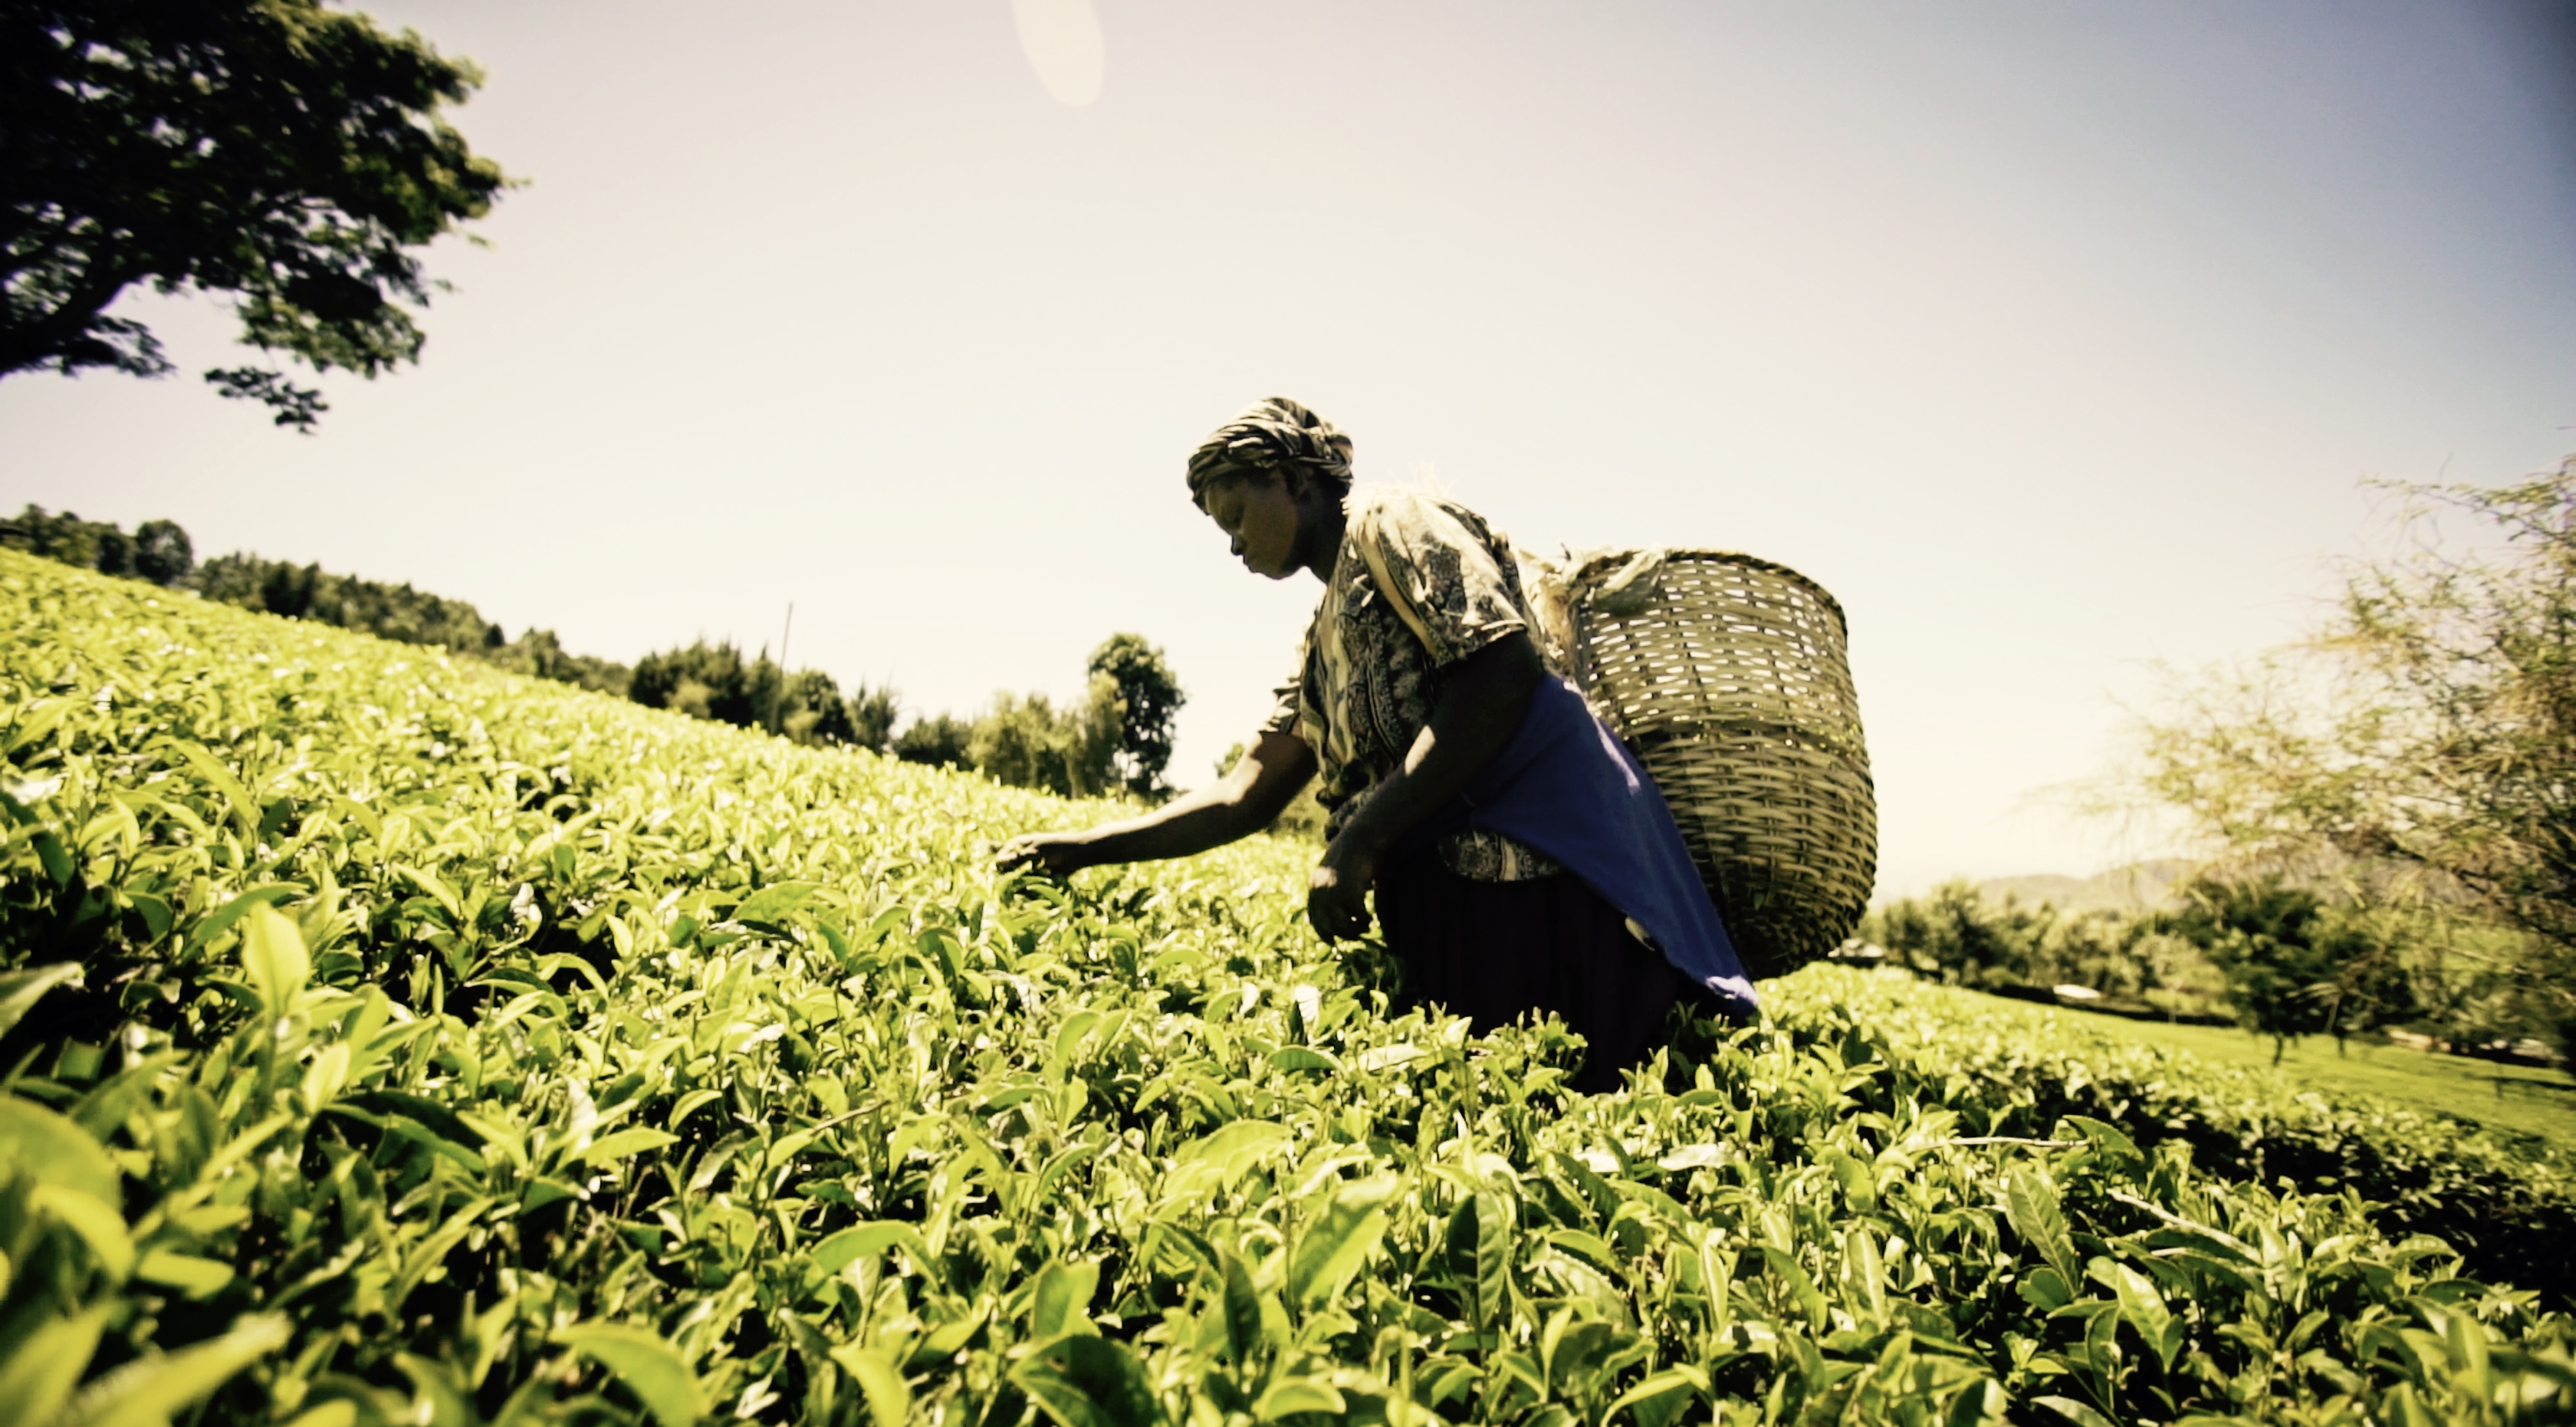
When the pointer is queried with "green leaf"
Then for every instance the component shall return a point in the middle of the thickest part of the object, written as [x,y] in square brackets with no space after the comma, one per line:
[2108,1140]
[39,1375]
[52,1150]
[193,1276]
[272,951]
[1332,1248]
[1241,1307]
[1811,1301]
[149,1391]
[1290,1396]
[610,1148]
[1294,1058]
[97,1225]
[770,905]
[889,1398]
[57,859]
[1235,1148]
[692,1102]
[155,912]
[230,912]
[438,1400]
[849,1245]
[2145,1309]
[246,809]
[1677,1379]
[20,990]
[2074,1411]
[1479,1244]
[1062,1299]
[2030,1202]
[35,721]
[1085,1381]
[651,1369]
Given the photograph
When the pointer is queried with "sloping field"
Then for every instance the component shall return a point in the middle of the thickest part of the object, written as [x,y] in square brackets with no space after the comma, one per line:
[397,1042]
[2526,1099]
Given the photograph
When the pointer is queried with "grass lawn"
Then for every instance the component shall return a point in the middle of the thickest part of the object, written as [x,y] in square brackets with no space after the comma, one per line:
[2513,1097]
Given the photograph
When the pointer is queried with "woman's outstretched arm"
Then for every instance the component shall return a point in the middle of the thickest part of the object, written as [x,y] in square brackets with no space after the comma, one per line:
[1243,802]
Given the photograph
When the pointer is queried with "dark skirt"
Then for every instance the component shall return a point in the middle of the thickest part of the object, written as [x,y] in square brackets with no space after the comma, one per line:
[1496,951]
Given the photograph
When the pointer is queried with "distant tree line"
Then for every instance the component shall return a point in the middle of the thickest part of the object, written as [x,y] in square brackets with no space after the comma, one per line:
[2281,959]
[1116,737]
[399,613]
[156,550]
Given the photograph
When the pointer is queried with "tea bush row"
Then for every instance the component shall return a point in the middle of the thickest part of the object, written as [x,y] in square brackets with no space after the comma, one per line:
[398,1041]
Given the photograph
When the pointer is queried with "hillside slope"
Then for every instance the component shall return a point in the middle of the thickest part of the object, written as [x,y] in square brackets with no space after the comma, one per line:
[451,1047]
[2137,887]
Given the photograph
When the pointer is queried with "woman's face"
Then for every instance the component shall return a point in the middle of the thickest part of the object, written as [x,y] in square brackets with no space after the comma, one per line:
[1259,515]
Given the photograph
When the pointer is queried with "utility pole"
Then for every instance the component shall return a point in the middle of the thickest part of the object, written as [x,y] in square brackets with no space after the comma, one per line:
[778,696]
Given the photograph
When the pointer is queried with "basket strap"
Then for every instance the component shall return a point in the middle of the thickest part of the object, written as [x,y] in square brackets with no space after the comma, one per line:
[1365,536]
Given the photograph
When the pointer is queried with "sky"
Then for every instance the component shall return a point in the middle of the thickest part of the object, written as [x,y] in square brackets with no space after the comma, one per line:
[2056,339]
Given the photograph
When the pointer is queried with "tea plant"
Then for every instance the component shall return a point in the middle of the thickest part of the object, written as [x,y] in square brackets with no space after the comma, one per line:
[398,1041]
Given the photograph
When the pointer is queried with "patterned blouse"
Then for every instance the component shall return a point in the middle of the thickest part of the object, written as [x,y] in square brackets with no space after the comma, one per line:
[1365,683]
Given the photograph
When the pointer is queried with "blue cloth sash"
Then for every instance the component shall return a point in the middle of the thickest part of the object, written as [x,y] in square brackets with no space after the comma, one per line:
[1568,787]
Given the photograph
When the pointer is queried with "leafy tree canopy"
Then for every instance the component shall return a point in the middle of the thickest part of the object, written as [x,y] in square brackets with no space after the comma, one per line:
[2425,741]
[158,550]
[1028,743]
[938,740]
[872,716]
[290,156]
[1150,696]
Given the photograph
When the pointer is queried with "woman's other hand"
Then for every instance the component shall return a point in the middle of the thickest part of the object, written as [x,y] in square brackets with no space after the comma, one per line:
[1053,854]
[1337,893]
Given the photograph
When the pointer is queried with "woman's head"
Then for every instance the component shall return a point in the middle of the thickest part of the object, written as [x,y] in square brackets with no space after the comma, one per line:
[1273,435]
[1273,479]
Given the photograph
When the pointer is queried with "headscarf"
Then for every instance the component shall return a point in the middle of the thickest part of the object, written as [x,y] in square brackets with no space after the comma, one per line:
[1265,434]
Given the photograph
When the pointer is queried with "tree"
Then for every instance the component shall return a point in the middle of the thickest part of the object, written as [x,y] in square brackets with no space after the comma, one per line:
[1957,936]
[2273,944]
[65,537]
[287,155]
[2422,747]
[872,715]
[705,680]
[941,741]
[538,653]
[1026,743]
[1150,696]
[812,711]
[162,553]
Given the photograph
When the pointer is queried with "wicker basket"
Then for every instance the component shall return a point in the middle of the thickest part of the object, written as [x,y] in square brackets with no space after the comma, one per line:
[1728,676]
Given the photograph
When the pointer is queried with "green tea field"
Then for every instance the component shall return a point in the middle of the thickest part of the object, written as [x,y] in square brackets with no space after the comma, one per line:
[392,1041]
[2514,1098]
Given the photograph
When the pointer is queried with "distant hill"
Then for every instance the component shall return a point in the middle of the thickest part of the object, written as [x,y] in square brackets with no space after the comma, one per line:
[2137,887]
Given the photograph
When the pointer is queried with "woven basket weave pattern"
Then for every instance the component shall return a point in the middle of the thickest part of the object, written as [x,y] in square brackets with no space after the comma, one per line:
[1732,683]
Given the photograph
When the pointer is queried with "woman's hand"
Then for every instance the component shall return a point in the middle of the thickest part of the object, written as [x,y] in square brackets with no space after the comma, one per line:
[1054,854]
[1337,893]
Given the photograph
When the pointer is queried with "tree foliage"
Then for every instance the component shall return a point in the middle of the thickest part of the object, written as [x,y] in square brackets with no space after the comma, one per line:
[936,741]
[291,157]
[872,716]
[1956,935]
[395,612]
[1027,742]
[2424,743]
[1149,697]
[810,710]
[158,550]
[2294,966]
